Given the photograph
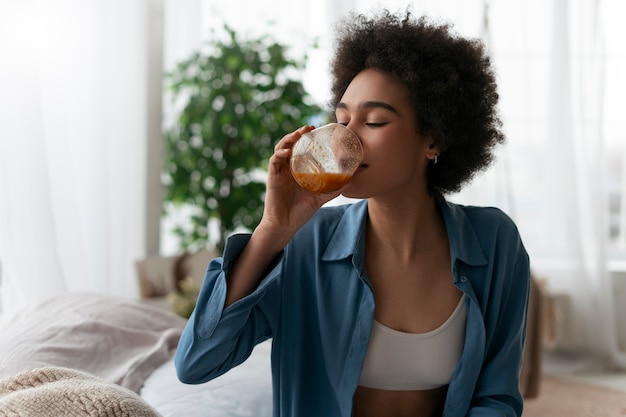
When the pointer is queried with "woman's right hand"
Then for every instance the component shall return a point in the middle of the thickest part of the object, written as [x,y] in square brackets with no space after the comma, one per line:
[287,206]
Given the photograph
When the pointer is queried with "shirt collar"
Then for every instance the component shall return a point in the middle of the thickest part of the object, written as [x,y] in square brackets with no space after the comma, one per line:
[348,238]
[464,243]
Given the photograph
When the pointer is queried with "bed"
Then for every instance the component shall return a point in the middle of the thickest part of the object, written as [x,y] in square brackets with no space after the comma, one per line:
[104,356]
[95,355]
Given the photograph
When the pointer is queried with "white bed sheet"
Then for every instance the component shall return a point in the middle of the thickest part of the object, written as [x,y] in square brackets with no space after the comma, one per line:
[243,391]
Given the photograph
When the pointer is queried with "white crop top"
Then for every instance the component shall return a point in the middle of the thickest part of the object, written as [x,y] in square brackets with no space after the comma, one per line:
[401,361]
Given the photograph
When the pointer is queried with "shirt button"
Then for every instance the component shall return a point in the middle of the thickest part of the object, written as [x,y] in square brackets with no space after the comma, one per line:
[463,278]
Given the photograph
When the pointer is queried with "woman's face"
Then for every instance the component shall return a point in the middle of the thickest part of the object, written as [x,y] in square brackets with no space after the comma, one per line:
[377,108]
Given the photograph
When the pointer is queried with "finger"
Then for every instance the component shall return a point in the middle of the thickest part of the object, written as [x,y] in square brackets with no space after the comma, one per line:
[288,140]
[279,158]
[280,155]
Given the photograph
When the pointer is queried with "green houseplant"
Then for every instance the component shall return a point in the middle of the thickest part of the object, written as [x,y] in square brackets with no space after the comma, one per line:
[238,98]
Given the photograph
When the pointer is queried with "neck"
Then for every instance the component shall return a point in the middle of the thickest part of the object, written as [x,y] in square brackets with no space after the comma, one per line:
[407,227]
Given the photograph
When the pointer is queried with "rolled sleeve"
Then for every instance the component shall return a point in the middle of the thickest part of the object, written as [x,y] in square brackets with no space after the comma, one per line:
[217,339]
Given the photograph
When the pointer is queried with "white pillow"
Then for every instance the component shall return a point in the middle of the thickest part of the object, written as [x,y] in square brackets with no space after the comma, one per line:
[118,340]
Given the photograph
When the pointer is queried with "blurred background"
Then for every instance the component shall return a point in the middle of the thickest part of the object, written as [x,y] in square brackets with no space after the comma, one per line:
[90,126]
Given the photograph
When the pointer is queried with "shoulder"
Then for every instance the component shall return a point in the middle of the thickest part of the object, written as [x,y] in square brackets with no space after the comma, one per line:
[482,233]
[486,221]
[480,213]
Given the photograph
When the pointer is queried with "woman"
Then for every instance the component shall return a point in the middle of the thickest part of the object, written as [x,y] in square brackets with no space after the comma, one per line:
[402,304]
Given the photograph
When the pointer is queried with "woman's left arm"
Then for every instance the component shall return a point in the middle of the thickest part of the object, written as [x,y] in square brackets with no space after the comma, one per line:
[497,390]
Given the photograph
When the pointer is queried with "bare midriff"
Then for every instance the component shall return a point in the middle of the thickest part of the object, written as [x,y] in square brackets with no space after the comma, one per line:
[323,182]
[371,402]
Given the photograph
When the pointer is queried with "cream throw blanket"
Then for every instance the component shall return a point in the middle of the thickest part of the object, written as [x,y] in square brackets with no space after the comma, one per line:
[55,391]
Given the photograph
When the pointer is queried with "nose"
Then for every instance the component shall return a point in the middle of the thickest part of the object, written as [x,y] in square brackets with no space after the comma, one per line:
[353,127]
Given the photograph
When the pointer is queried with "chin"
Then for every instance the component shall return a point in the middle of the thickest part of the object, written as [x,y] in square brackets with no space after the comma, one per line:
[357,188]
[350,191]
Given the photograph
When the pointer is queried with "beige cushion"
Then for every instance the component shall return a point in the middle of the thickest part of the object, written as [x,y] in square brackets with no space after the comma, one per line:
[159,275]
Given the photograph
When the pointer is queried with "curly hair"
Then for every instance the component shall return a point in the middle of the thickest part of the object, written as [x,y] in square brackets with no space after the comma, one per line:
[450,80]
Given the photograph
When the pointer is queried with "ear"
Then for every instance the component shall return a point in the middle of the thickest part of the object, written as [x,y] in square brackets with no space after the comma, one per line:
[432,152]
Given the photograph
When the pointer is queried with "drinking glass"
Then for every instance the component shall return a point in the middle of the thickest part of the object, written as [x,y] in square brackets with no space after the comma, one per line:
[324,159]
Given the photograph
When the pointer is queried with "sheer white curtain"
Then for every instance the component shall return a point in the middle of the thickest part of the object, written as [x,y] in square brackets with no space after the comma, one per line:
[575,159]
[575,177]
[72,146]
[557,103]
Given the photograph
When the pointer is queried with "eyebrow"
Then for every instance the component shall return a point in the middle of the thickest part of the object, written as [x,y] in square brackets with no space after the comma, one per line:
[371,105]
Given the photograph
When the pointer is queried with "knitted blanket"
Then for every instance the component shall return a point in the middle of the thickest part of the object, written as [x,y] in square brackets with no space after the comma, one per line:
[55,391]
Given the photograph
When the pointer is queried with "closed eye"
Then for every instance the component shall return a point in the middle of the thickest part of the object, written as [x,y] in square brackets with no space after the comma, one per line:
[370,124]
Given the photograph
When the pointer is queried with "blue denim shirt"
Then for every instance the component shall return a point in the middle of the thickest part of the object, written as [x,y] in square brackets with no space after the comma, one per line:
[316,302]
